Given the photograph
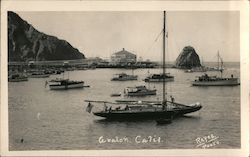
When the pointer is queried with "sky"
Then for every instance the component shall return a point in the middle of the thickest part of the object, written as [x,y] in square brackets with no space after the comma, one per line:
[99,34]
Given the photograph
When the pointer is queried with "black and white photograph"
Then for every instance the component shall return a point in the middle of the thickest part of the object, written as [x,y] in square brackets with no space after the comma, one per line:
[124,79]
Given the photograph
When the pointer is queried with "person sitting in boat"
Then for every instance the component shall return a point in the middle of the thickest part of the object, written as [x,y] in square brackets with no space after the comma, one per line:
[206,76]
[126,108]
[118,108]
[163,107]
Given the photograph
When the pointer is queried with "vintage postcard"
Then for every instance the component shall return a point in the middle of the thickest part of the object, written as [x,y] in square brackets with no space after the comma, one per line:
[124,78]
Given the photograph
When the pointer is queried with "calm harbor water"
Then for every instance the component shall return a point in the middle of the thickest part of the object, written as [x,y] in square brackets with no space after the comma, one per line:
[57,120]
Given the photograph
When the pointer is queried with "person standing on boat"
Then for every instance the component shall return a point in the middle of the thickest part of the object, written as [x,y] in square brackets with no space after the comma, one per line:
[105,107]
[110,109]
[172,98]
[126,108]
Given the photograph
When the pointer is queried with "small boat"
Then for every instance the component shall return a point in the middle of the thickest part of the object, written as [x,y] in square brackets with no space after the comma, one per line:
[59,84]
[206,80]
[159,78]
[219,66]
[164,121]
[18,77]
[124,77]
[38,74]
[139,91]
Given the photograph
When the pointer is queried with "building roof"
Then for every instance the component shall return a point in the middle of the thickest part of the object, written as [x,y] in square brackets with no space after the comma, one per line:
[123,51]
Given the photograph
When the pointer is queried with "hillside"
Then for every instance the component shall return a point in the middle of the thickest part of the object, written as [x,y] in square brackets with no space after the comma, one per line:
[25,43]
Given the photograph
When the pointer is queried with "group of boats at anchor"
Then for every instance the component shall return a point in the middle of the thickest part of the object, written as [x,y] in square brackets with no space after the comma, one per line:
[54,84]
[21,76]
[24,76]
[142,90]
[163,111]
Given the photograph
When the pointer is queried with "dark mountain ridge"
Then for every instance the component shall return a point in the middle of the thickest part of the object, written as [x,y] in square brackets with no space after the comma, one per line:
[25,43]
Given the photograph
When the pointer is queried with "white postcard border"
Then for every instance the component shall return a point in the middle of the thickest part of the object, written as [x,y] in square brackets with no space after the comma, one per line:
[242,6]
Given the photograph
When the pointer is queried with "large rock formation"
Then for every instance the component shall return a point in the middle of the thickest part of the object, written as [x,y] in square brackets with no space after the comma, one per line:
[188,58]
[26,43]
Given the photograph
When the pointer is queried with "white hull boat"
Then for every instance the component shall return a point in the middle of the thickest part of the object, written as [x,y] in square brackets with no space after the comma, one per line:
[124,77]
[139,91]
[217,82]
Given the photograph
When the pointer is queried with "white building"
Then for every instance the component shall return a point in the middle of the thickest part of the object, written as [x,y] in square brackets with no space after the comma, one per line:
[123,57]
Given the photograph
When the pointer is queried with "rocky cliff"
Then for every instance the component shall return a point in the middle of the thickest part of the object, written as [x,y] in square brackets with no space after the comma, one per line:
[188,58]
[26,43]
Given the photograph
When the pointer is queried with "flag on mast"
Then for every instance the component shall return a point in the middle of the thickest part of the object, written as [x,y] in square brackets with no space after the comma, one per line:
[89,107]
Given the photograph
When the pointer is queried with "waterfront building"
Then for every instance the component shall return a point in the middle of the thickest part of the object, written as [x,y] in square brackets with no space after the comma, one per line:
[123,57]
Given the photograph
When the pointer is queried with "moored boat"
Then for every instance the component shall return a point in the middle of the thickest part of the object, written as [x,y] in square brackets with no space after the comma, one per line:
[159,78]
[219,66]
[124,77]
[144,111]
[62,84]
[206,80]
[38,74]
[18,77]
[139,91]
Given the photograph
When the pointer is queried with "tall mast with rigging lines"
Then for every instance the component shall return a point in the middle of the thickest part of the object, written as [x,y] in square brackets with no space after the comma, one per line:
[164,70]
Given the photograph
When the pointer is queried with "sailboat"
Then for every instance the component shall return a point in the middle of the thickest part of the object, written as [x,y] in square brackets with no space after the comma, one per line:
[206,80]
[142,110]
[219,66]
[64,84]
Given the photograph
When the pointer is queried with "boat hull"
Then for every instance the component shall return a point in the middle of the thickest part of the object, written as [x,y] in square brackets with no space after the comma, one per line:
[146,115]
[152,92]
[63,87]
[134,115]
[18,80]
[39,76]
[158,80]
[226,82]
[124,79]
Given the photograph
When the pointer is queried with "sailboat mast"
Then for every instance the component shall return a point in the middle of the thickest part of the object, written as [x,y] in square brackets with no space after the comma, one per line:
[218,55]
[220,65]
[164,71]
